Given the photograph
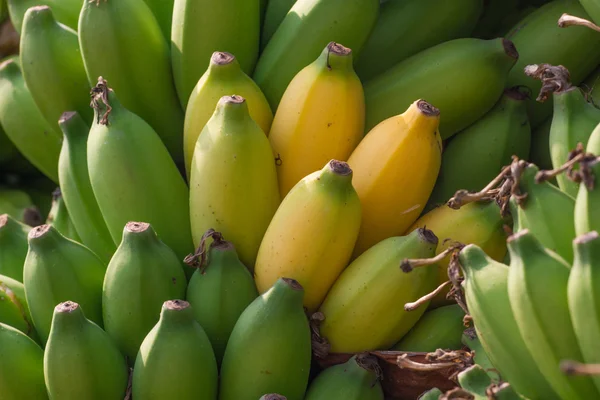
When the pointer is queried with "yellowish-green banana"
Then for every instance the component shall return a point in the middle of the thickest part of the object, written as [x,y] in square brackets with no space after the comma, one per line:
[60,219]
[13,247]
[311,236]
[233,182]
[321,117]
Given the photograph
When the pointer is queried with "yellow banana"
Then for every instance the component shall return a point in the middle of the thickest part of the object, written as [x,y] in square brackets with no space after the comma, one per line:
[223,77]
[321,117]
[311,236]
[395,168]
[475,223]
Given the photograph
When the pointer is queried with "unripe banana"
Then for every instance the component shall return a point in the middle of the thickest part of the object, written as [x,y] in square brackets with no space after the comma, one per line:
[539,39]
[592,7]
[57,269]
[321,117]
[233,181]
[492,15]
[464,78]
[583,285]
[18,204]
[391,202]
[387,44]
[163,12]
[356,379]
[142,274]
[475,156]
[313,245]
[52,66]
[81,361]
[432,394]
[540,145]
[269,350]
[477,383]
[222,78]
[587,213]
[66,11]
[14,310]
[363,310]
[13,247]
[471,340]
[24,124]
[76,188]
[275,12]
[485,287]
[201,27]
[134,185]
[176,360]
[441,328]
[21,366]
[60,219]
[537,288]
[302,35]
[122,42]
[220,291]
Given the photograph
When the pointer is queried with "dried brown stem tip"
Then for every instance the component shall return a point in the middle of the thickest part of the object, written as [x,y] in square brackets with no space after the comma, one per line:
[584,174]
[555,79]
[416,304]
[576,368]
[464,197]
[273,396]
[66,307]
[176,305]
[338,49]
[137,227]
[222,58]
[427,109]
[407,265]
[567,20]
[340,167]
[199,259]
[99,95]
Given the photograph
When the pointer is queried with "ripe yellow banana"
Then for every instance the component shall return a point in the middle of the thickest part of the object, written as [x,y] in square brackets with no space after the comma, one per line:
[321,117]
[311,236]
[395,168]
[475,223]
[223,77]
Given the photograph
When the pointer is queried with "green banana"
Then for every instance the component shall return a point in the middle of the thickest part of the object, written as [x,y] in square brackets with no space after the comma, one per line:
[163,12]
[57,269]
[76,188]
[223,77]
[356,379]
[66,11]
[24,124]
[537,288]
[220,291]
[201,27]
[80,360]
[121,41]
[304,33]
[490,20]
[13,247]
[592,7]
[540,40]
[269,349]
[432,394]
[60,219]
[398,20]
[583,288]
[485,288]
[275,12]
[14,310]
[176,360]
[21,366]
[476,155]
[464,78]
[52,66]
[587,213]
[471,340]
[240,196]
[18,204]
[143,273]
[539,153]
[441,328]
[477,382]
[133,177]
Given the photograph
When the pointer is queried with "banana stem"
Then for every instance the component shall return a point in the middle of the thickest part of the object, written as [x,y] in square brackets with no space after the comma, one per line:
[129,391]
[416,304]
[575,156]
[584,174]
[320,345]
[99,94]
[463,197]
[404,362]
[407,265]
[567,20]
[199,259]
[570,367]
[555,79]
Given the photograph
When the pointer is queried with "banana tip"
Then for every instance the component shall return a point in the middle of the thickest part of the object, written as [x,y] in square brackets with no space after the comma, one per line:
[510,49]
[39,231]
[581,239]
[427,108]
[233,99]
[176,305]
[340,167]
[66,116]
[428,235]
[517,235]
[338,49]
[292,283]
[3,220]
[136,227]
[222,58]
[66,307]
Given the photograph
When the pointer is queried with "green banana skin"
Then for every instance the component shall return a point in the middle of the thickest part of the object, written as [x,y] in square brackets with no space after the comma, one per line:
[57,269]
[475,380]
[80,359]
[537,288]
[275,12]
[587,212]
[471,340]
[14,310]
[476,155]
[398,20]
[66,11]
[176,360]
[485,287]
[13,247]
[539,153]
[298,41]
[494,11]
[201,27]
[52,66]
[143,273]
[433,394]
[592,7]
[269,350]
[24,124]
[122,42]
[440,328]
[583,288]
[163,12]
[21,366]
[18,204]
[134,185]
[219,292]
[60,219]
[464,78]
[76,188]
[539,40]
[355,379]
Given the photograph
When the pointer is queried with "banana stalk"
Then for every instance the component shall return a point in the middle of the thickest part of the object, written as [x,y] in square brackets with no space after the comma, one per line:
[13,247]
